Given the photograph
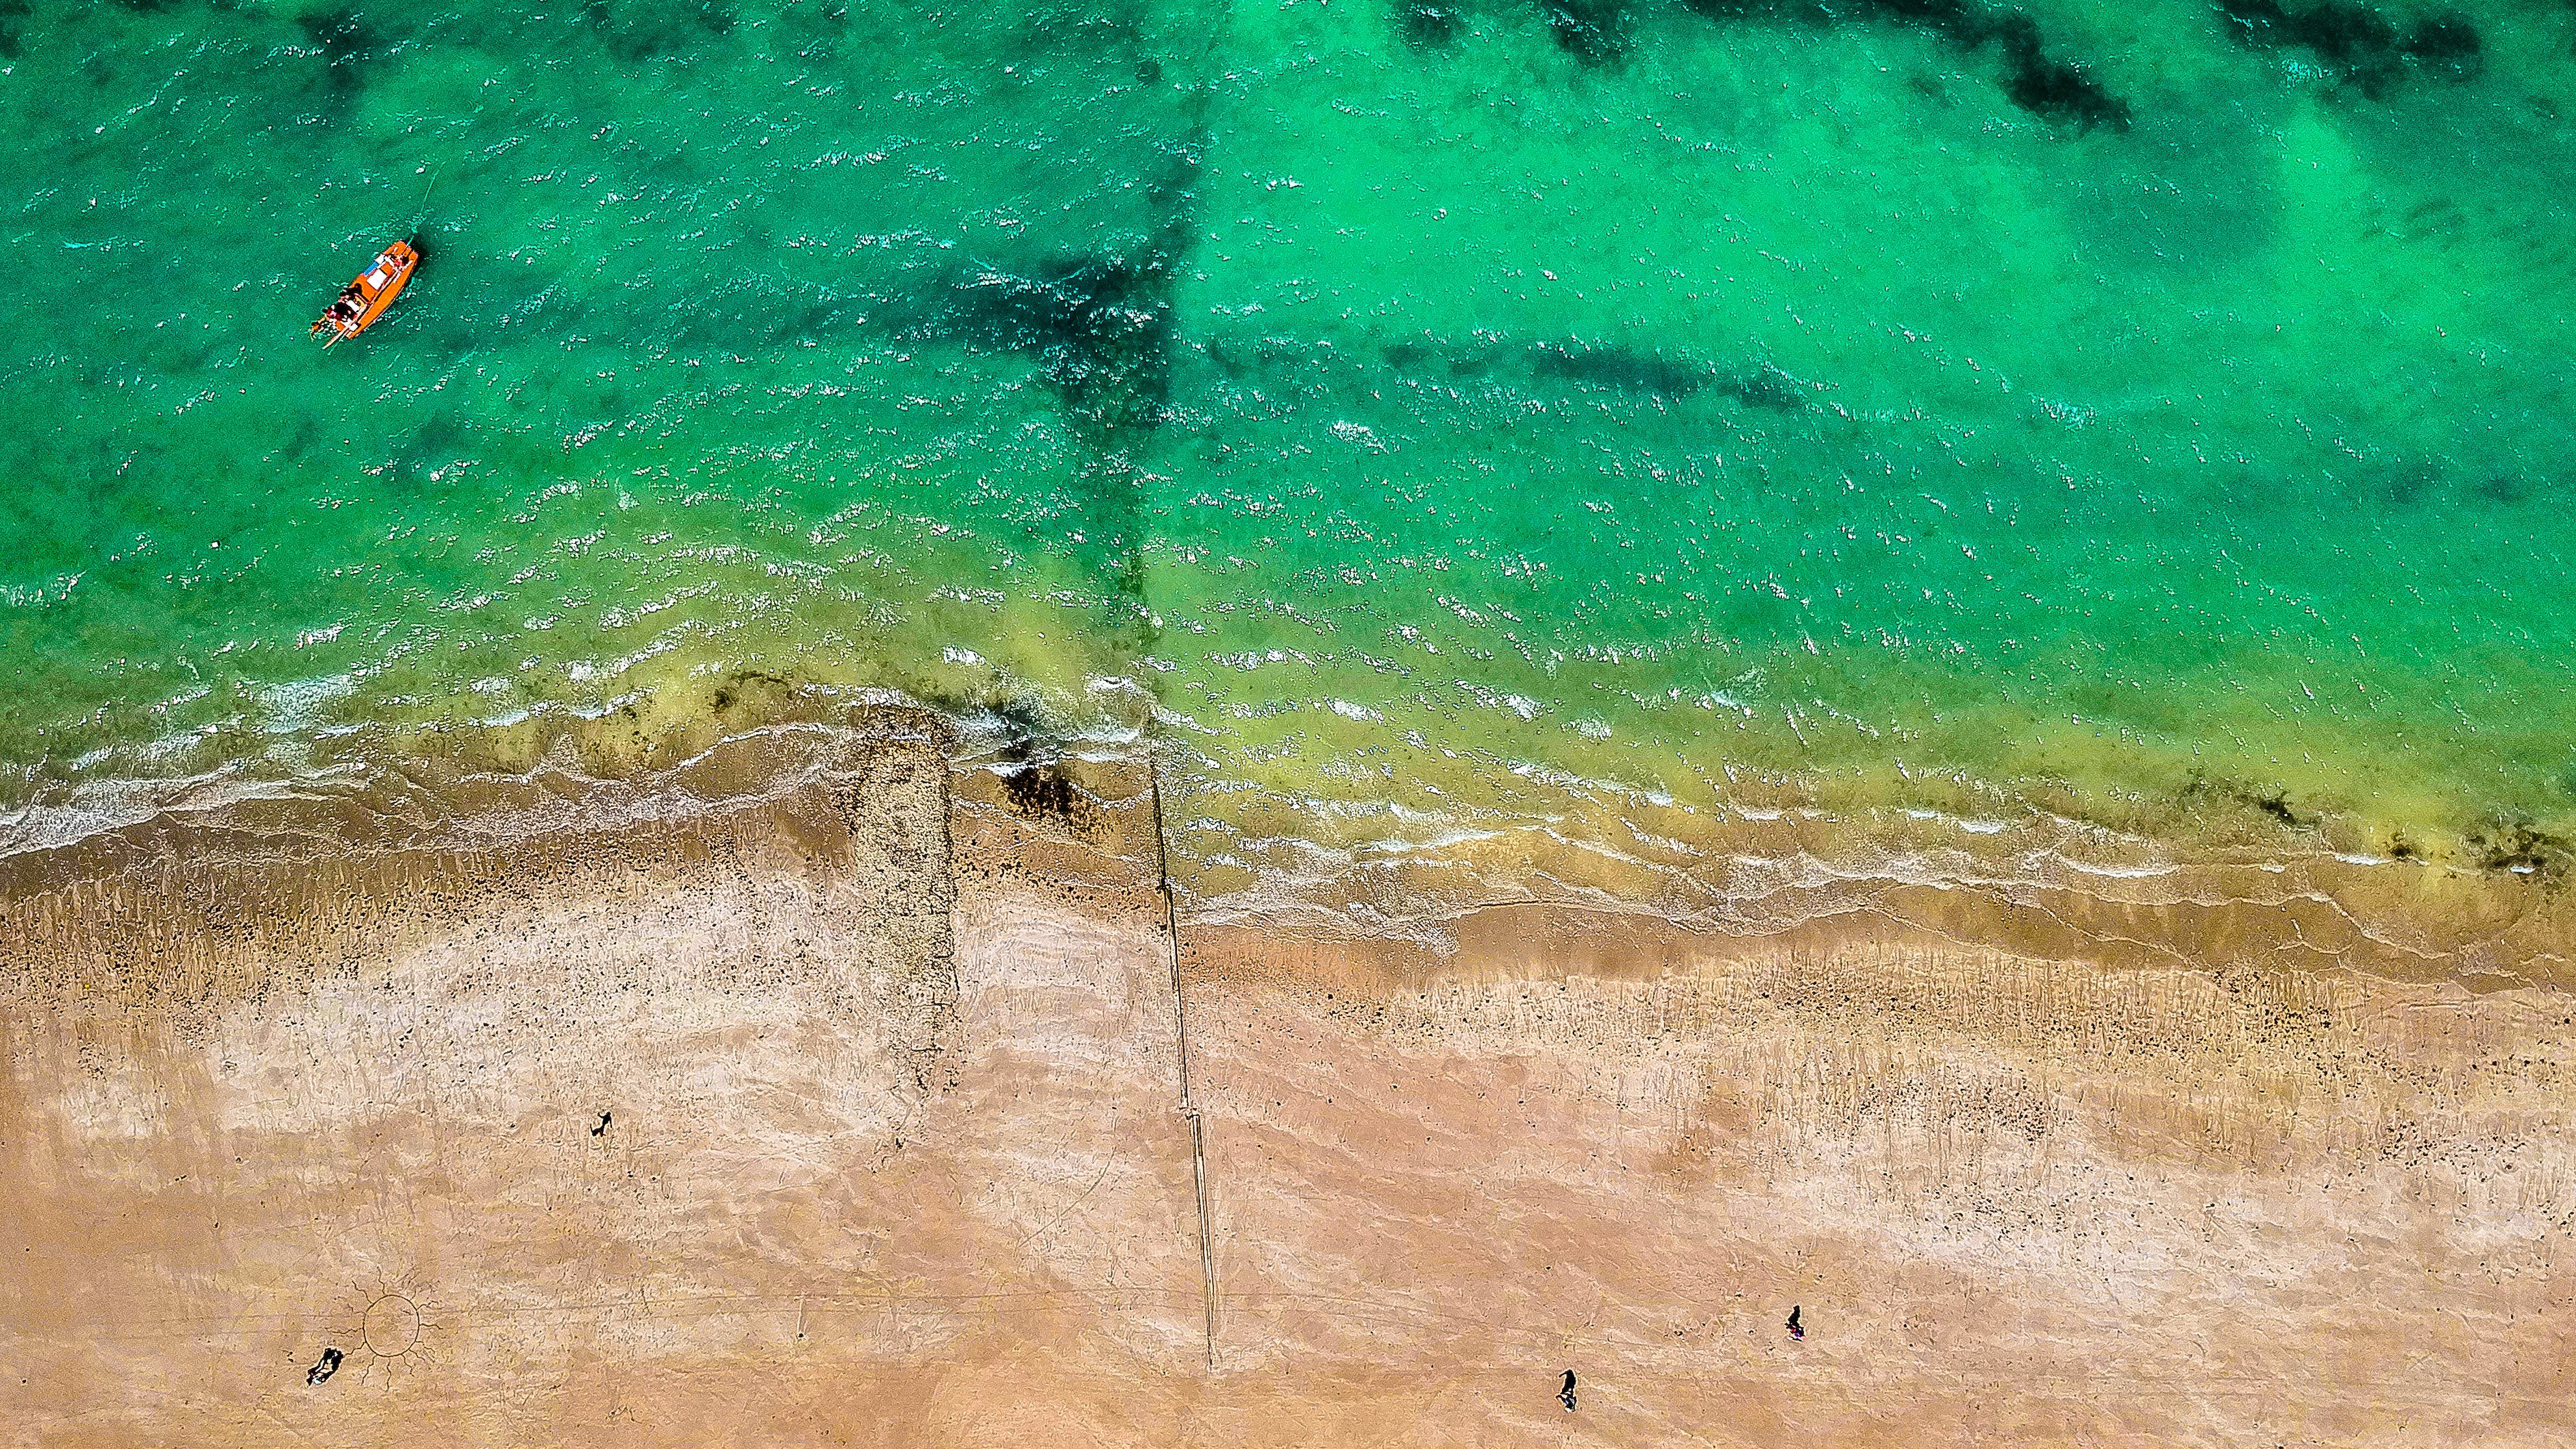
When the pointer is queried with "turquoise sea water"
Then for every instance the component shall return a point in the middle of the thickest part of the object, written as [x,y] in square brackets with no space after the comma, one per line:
[2140,410]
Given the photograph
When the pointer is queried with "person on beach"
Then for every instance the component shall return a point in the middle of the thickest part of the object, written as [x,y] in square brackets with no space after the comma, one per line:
[1565,1395]
[1794,1330]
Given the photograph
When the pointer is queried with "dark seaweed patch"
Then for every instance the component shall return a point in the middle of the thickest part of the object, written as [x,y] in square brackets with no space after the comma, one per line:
[13,26]
[441,439]
[1024,726]
[813,32]
[2277,805]
[1422,359]
[2054,90]
[1083,27]
[2405,484]
[2363,48]
[1594,32]
[1427,24]
[1621,368]
[1769,387]
[2503,488]
[342,36]
[640,32]
[751,688]
[2522,850]
[1101,324]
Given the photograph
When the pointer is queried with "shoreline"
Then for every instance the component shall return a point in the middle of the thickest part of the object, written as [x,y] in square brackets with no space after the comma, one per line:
[886,1072]
[2032,882]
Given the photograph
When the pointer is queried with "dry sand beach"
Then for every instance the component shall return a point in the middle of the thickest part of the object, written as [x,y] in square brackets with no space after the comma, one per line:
[876,1106]
[1401,722]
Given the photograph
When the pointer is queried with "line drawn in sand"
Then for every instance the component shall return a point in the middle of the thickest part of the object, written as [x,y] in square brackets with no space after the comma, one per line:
[392,1330]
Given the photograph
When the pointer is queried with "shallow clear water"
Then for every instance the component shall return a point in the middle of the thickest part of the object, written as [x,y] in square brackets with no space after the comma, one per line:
[1444,406]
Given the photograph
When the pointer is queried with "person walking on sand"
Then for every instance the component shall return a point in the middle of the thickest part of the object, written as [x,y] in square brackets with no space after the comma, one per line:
[1565,1395]
[1794,1330]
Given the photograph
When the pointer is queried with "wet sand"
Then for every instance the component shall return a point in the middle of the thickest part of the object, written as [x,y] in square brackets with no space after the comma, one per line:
[855,1111]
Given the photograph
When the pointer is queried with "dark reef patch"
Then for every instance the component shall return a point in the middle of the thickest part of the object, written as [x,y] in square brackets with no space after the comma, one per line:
[2062,92]
[13,26]
[2363,48]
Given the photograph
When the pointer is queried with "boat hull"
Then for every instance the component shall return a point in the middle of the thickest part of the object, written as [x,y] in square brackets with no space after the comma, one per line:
[376,289]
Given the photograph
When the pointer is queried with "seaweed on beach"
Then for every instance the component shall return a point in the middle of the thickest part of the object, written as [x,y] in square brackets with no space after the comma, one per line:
[1046,792]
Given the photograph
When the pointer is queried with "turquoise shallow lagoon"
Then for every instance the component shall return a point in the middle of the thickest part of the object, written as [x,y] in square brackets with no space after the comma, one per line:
[2154,414]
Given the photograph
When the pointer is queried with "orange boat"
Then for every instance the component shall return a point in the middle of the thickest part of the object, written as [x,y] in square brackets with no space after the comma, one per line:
[363,301]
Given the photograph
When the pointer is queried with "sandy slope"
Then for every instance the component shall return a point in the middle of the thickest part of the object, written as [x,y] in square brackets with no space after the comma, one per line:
[855,1116]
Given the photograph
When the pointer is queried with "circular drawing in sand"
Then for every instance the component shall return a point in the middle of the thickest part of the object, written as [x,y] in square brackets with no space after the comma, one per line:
[392,1327]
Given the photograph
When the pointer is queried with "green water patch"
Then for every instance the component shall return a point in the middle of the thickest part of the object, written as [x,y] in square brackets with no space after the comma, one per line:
[2142,412]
